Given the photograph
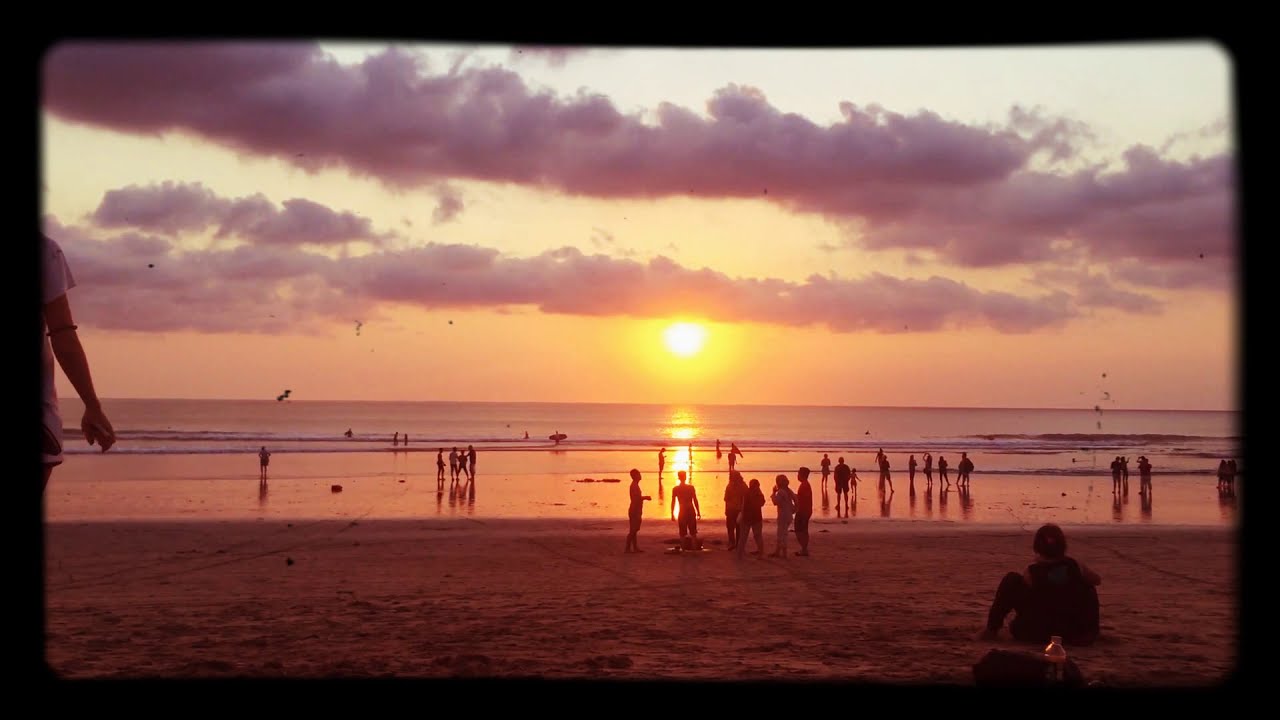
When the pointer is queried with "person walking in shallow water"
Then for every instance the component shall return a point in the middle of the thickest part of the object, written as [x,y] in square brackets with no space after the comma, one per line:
[264,458]
[635,512]
[662,462]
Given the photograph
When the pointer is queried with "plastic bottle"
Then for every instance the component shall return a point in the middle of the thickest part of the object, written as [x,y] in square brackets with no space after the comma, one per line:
[1056,655]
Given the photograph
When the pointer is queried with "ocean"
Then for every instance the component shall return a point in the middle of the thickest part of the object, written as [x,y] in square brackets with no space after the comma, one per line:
[204,447]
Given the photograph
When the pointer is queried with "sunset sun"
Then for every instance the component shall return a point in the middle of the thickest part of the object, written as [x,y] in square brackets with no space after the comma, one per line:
[685,339]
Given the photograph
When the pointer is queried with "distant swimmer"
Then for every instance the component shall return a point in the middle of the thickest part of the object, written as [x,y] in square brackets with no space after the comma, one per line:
[526,434]
[348,433]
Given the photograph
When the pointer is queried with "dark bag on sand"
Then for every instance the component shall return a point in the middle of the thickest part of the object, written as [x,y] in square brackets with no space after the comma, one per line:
[1009,668]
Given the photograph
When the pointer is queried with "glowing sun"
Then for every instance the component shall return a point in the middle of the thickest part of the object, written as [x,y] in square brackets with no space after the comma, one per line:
[685,339]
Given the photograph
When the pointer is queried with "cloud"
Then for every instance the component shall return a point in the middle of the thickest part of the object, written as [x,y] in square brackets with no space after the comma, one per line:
[448,204]
[971,195]
[239,289]
[171,207]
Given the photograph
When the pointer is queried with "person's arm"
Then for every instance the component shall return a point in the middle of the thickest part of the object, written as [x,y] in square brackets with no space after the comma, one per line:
[71,357]
[696,507]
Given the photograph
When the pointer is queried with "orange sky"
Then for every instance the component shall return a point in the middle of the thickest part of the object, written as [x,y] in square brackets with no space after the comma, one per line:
[1032,249]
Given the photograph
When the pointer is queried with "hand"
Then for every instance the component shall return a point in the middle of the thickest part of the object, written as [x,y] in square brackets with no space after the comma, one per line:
[98,428]
[646,497]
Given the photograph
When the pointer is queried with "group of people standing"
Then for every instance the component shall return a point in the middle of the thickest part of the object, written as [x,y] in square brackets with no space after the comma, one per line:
[1227,475]
[461,465]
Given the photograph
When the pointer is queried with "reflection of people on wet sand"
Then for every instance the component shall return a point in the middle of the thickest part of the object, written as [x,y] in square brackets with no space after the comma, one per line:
[686,497]
[735,492]
[752,519]
[264,458]
[1056,595]
[440,469]
[635,511]
[785,499]
[662,462]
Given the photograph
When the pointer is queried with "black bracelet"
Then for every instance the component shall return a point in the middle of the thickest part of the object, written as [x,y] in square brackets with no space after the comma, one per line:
[61,329]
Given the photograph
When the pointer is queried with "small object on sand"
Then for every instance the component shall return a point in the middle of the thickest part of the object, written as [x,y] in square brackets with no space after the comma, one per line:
[288,561]
[1064,494]
[151,265]
[335,488]
[403,481]
[450,322]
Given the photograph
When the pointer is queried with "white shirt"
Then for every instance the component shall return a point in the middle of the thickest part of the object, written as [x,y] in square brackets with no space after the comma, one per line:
[57,280]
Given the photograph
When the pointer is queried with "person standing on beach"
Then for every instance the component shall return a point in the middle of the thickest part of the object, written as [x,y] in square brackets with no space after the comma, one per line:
[635,511]
[804,511]
[942,470]
[885,477]
[786,502]
[928,471]
[662,462]
[826,469]
[453,465]
[396,439]
[734,494]
[471,460]
[1124,473]
[687,497]
[843,475]
[440,469]
[717,449]
[1115,476]
[1144,474]
[63,344]
[264,458]
[733,450]
[966,467]
[911,472]
[752,519]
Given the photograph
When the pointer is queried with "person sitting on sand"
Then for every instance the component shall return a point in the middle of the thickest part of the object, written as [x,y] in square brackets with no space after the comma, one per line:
[1056,595]
[686,497]
[785,499]
[635,511]
[752,519]
[734,493]
[804,511]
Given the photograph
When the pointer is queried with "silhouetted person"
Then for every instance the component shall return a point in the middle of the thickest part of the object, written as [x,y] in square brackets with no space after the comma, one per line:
[526,434]
[804,510]
[635,511]
[1144,474]
[1124,472]
[928,470]
[471,460]
[911,472]
[735,492]
[64,344]
[843,475]
[717,450]
[690,512]
[752,519]
[662,462]
[348,433]
[1115,475]
[440,469]
[942,470]
[966,467]
[690,462]
[453,465]
[406,439]
[1057,595]
[733,450]
[785,499]
[264,458]
[1231,474]
[1222,472]
[396,439]
[885,476]
[557,437]
[826,470]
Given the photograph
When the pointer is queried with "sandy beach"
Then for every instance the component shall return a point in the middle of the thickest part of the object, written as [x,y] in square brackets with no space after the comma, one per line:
[558,599]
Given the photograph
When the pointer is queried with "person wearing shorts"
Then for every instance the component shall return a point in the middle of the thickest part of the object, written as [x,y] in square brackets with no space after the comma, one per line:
[843,473]
[686,497]
[804,511]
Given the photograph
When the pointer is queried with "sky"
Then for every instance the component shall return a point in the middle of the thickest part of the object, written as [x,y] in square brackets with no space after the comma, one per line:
[1040,226]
